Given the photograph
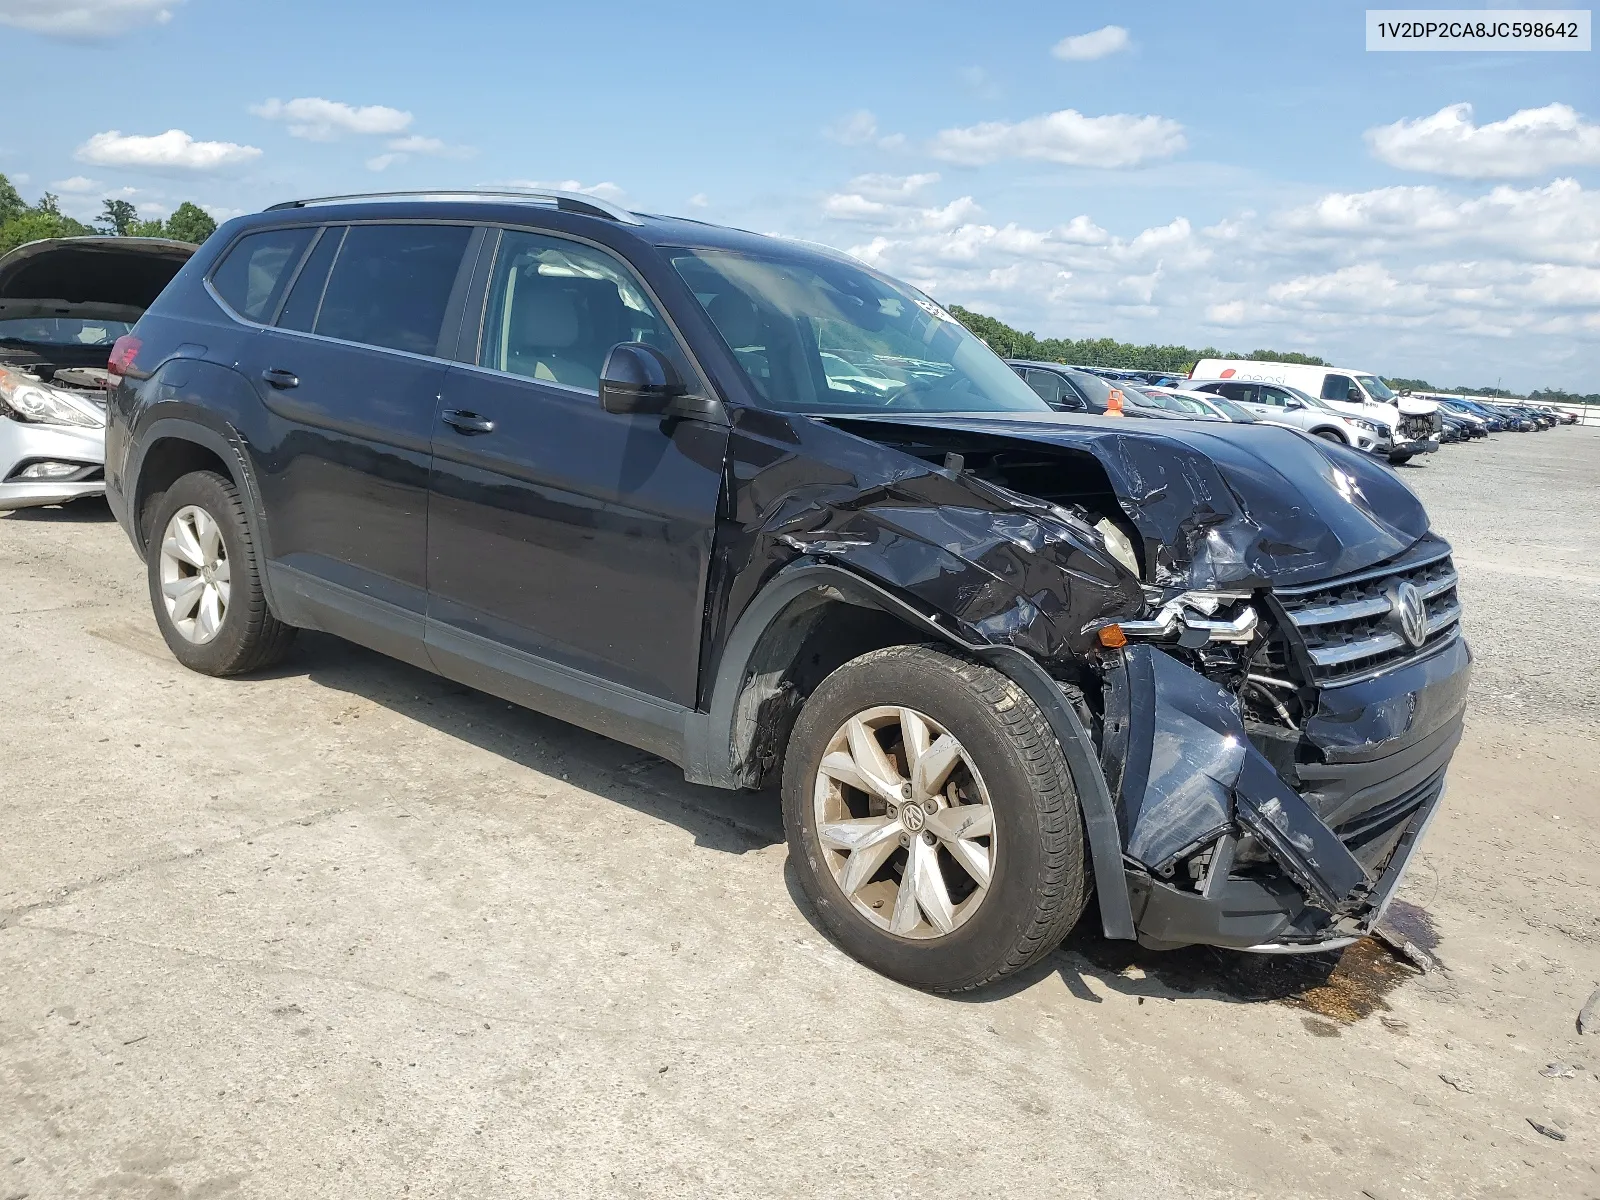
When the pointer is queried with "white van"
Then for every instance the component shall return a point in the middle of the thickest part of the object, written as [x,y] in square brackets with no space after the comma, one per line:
[1415,422]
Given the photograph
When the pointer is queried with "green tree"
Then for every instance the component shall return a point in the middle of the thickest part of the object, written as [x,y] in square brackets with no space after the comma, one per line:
[33,224]
[11,204]
[190,223]
[118,216]
[153,229]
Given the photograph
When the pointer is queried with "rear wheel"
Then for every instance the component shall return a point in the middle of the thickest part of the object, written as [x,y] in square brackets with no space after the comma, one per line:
[205,583]
[932,820]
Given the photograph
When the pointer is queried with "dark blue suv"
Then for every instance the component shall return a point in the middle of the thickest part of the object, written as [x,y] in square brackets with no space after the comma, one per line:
[756,508]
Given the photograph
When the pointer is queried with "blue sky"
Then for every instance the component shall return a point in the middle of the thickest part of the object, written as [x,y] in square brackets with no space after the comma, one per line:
[1233,174]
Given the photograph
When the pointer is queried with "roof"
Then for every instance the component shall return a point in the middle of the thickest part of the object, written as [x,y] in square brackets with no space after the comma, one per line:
[575,209]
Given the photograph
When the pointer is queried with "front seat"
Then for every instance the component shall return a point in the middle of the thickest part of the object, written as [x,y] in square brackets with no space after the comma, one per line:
[545,334]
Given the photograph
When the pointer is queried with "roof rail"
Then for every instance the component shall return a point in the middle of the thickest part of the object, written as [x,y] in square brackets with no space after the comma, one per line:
[573,202]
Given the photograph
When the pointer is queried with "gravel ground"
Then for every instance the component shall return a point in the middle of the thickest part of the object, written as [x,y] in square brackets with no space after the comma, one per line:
[347,930]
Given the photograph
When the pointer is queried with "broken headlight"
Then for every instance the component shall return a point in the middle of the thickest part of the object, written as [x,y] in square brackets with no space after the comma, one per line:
[1191,619]
[24,398]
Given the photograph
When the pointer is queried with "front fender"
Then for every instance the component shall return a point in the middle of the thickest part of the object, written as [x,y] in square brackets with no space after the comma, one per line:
[712,736]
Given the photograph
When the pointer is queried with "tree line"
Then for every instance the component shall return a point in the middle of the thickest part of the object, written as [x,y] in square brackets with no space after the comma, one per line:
[1180,360]
[21,222]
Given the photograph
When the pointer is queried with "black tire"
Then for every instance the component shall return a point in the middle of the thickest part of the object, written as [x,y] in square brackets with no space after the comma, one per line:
[1400,460]
[1040,885]
[1330,435]
[250,637]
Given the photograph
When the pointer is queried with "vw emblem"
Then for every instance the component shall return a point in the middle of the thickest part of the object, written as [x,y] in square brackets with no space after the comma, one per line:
[1410,613]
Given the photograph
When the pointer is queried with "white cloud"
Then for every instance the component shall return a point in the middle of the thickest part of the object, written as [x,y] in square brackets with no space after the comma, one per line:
[76,186]
[860,128]
[892,187]
[699,200]
[320,120]
[1416,281]
[173,150]
[82,20]
[1528,142]
[1083,47]
[401,149]
[1117,140]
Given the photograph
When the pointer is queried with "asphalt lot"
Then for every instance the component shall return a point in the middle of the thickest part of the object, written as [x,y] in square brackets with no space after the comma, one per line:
[348,930]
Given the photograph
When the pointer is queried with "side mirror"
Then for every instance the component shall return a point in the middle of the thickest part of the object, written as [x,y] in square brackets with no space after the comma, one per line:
[638,378]
[1355,396]
[1292,404]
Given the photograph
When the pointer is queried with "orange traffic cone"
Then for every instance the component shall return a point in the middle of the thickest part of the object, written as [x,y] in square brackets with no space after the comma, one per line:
[1114,404]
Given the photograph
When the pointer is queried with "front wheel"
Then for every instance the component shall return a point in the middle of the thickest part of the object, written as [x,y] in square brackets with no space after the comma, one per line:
[1331,436]
[932,820]
[205,583]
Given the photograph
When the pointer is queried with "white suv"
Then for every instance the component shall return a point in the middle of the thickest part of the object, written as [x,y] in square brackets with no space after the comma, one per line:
[1283,405]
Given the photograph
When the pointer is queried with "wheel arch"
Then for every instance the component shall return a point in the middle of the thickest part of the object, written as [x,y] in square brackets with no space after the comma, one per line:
[172,447]
[808,615]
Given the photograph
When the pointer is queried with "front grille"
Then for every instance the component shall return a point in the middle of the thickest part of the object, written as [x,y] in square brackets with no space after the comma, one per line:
[1349,628]
[1419,428]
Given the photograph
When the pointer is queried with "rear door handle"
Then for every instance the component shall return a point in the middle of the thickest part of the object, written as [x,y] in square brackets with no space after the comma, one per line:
[280,378]
[467,422]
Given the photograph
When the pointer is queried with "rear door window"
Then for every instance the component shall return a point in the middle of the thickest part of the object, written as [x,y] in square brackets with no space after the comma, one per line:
[252,276]
[305,294]
[1241,393]
[391,284]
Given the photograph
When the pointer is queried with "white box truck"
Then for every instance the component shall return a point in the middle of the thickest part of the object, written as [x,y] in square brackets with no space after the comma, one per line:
[1415,422]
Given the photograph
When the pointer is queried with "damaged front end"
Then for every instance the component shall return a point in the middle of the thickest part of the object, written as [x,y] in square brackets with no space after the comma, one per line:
[1256,635]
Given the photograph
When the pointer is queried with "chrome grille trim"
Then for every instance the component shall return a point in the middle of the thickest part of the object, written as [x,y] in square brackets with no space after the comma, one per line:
[1332,656]
[1307,589]
[1345,626]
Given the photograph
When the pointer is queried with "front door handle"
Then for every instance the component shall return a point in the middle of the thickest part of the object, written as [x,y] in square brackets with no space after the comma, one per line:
[279,378]
[467,422]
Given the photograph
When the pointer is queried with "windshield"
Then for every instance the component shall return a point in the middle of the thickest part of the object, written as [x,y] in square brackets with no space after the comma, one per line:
[1376,388]
[62,331]
[821,336]
[1166,402]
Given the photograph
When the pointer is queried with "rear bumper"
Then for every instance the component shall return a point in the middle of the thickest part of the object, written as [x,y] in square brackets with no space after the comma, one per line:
[1221,849]
[23,443]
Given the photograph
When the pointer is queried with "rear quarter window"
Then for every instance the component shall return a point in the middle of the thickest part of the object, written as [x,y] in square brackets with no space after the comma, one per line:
[252,275]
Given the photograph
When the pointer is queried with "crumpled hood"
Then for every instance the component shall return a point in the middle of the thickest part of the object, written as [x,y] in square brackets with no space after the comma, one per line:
[97,278]
[1225,505]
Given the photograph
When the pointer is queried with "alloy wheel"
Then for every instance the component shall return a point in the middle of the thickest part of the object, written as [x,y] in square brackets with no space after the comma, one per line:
[195,578]
[905,822]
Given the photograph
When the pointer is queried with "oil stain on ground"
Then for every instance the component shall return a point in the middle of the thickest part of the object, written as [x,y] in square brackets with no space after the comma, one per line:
[1335,989]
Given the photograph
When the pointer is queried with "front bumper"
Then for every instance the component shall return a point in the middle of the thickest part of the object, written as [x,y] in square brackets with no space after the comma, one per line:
[1220,848]
[1414,446]
[22,443]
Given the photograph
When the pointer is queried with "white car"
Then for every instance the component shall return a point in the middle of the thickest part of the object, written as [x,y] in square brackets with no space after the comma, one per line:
[1413,421]
[63,303]
[1280,404]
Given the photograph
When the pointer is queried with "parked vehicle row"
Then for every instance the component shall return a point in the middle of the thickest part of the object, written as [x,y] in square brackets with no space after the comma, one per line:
[1352,407]
[756,508]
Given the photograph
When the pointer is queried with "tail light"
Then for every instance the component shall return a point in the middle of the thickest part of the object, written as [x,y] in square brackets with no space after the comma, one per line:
[123,354]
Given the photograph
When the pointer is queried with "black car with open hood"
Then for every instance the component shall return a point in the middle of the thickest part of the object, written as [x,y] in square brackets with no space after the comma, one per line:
[762,510]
